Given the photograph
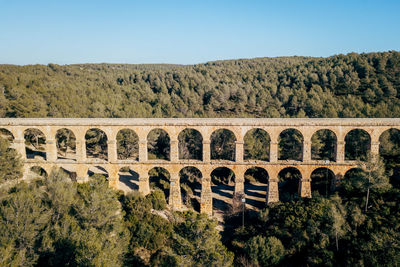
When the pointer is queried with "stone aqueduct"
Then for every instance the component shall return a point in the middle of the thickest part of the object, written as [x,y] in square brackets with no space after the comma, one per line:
[239,127]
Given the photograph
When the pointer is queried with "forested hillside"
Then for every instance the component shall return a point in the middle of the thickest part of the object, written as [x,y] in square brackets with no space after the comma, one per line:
[353,85]
[50,220]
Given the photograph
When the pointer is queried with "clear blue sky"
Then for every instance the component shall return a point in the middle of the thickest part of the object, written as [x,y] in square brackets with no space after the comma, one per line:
[188,32]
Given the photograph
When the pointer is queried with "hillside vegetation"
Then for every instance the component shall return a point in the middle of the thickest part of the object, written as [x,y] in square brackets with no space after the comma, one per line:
[353,85]
[54,221]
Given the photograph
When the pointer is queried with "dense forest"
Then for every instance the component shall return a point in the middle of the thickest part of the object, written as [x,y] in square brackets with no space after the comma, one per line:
[53,221]
[352,85]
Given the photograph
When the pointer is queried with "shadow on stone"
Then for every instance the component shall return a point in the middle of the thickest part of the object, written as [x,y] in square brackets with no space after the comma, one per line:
[31,154]
[130,179]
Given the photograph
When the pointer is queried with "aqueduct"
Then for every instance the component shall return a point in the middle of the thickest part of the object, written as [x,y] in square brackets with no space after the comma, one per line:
[340,127]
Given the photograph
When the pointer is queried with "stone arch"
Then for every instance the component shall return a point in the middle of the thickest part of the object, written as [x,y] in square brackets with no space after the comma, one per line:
[68,172]
[127,145]
[352,170]
[389,143]
[357,144]
[37,171]
[222,175]
[66,144]
[352,180]
[257,145]
[389,150]
[324,145]
[289,184]
[96,144]
[290,143]
[323,182]
[223,188]
[128,179]
[190,183]
[159,178]
[97,170]
[35,143]
[223,145]
[255,187]
[158,144]
[190,144]
[7,135]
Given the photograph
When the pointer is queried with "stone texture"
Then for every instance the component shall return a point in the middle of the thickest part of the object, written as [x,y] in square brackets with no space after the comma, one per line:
[206,196]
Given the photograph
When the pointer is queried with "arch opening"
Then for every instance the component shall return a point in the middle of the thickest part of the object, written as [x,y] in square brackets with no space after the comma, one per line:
[127,145]
[96,144]
[257,145]
[323,145]
[190,144]
[223,145]
[66,144]
[190,182]
[291,145]
[352,184]
[158,145]
[357,145]
[323,182]
[7,135]
[128,180]
[289,184]
[97,172]
[223,188]
[37,172]
[255,187]
[389,150]
[70,173]
[160,178]
[35,144]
